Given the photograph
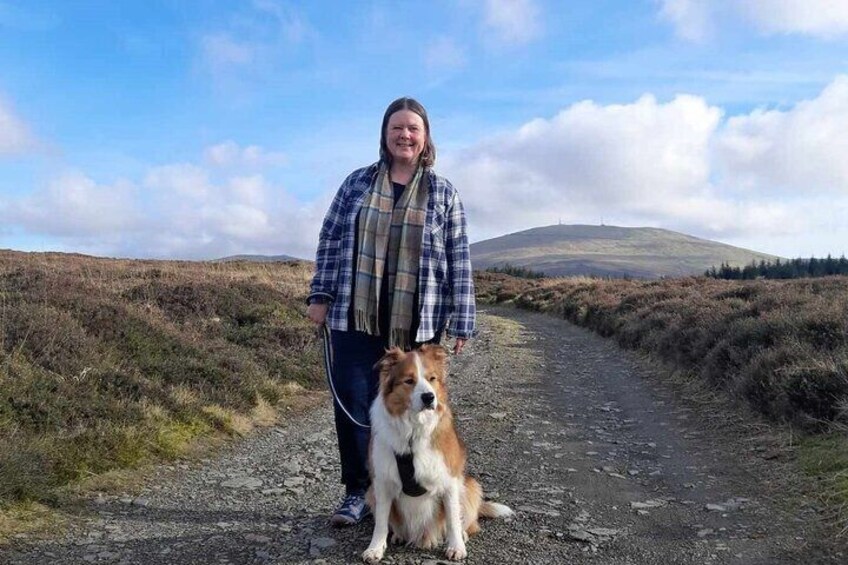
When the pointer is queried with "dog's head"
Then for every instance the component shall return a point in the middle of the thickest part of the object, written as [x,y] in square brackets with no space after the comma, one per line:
[413,381]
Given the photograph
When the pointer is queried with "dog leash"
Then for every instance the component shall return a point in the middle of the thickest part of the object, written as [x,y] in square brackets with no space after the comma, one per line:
[328,367]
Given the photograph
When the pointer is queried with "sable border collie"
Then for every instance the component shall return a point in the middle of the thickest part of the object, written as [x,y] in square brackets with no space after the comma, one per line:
[417,461]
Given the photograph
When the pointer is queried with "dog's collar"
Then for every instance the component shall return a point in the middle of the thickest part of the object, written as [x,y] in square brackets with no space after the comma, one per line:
[406,470]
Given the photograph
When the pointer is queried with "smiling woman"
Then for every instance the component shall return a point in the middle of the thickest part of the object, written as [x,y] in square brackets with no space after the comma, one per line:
[392,270]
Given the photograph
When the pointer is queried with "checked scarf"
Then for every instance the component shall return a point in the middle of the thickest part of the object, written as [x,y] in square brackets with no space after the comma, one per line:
[390,238]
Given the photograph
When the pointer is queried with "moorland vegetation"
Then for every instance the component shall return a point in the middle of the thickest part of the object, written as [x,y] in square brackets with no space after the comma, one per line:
[108,364]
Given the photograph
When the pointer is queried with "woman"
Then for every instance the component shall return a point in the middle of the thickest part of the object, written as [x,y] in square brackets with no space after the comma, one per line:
[392,269]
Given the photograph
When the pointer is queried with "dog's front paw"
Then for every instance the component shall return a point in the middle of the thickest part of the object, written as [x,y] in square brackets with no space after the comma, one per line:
[456,552]
[373,554]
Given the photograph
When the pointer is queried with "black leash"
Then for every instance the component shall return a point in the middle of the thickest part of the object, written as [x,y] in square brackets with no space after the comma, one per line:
[328,366]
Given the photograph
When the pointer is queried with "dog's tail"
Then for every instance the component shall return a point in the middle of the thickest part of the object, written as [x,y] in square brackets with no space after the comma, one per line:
[495,510]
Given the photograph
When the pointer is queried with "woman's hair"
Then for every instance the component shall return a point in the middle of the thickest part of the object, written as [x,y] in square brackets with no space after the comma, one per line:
[428,155]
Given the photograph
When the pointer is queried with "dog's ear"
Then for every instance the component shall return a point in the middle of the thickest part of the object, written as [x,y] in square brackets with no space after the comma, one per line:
[385,364]
[389,359]
[434,352]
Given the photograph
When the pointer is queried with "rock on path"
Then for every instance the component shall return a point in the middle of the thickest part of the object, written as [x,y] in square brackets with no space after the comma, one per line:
[602,463]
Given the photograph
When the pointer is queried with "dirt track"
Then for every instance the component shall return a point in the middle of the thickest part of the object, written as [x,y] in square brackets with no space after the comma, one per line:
[602,462]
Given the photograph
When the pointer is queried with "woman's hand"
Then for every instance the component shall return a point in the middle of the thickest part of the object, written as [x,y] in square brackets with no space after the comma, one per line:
[457,347]
[317,313]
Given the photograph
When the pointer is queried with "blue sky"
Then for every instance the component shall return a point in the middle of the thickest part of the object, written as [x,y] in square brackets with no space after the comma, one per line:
[198,128]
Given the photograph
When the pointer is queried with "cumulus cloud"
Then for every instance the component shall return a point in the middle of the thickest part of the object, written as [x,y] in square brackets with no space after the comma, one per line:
[15,135]
[823,18]
[180,210]
[235,215]
[696,19]
[230,154]
[512,22]
[74,205]
[644,159]
[800,149]
[680,164]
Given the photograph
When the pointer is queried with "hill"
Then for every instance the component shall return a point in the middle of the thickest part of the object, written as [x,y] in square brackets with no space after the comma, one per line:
[259,258]
[609,251]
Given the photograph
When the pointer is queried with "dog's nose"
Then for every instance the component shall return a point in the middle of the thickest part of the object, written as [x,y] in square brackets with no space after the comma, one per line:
[427,398]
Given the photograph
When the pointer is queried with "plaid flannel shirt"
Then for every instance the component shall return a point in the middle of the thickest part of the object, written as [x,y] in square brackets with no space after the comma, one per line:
[445,286]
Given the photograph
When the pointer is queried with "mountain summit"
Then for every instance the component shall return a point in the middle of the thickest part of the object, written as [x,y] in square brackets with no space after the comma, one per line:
[609,251]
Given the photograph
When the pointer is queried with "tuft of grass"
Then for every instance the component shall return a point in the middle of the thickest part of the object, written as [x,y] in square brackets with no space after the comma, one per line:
[227,421]
[825,458]
[26,517]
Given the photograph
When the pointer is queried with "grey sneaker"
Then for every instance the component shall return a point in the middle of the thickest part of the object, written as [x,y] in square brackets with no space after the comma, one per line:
[351,511]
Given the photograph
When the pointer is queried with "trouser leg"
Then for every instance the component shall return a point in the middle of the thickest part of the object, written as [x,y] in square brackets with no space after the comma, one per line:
[356,383]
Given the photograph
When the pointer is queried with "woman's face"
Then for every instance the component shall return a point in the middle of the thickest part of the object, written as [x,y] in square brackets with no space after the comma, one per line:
[405,136]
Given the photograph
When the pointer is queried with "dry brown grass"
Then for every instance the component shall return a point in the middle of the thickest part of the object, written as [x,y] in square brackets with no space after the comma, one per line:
[108,364]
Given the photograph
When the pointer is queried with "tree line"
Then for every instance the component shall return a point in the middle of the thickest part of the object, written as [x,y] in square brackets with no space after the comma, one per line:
[787,269]
[516,271]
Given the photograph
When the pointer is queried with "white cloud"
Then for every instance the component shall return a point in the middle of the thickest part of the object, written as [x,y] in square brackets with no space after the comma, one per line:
[74,205]
[678,164]
[15,135]
[230,154]
[644,160]
[802,149]
[823,18]
[184,180]
[696,20]
[236,215]
[179,210]
[512,22]
[691,18]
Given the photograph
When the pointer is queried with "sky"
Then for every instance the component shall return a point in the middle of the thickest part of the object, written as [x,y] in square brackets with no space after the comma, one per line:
[197,129]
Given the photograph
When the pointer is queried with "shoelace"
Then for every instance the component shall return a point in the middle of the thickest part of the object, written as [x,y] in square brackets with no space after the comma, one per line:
[350,502]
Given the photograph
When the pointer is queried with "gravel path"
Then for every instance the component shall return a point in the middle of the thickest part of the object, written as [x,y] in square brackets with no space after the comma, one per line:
[602,462]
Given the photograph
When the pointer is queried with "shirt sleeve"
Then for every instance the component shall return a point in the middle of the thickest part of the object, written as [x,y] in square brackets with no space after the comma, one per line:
[463,310]
[325,280]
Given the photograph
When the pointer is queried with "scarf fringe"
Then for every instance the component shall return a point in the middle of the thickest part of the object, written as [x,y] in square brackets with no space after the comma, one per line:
[366,323]
[400,338]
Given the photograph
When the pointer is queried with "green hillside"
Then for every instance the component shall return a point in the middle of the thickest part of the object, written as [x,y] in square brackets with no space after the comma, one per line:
[567,250]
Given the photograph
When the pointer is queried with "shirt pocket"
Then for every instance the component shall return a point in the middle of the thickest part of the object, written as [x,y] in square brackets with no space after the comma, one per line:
[437,239]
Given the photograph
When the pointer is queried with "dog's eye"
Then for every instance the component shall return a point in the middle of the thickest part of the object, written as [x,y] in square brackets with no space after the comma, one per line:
[409,381]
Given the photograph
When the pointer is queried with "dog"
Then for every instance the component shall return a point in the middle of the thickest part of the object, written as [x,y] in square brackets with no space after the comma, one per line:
[417,461]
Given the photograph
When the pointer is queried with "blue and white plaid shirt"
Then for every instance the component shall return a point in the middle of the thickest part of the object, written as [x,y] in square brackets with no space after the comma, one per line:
[445,286]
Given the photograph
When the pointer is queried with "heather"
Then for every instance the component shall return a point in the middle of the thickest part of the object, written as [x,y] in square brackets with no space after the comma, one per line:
[108,364]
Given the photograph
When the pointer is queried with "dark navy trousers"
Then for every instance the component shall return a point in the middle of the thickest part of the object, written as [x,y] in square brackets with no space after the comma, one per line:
[356,382]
